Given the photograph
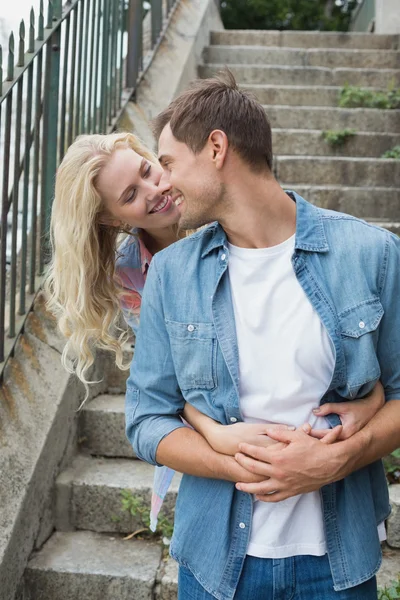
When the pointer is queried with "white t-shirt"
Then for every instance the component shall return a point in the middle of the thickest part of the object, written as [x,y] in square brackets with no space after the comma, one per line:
[286,364]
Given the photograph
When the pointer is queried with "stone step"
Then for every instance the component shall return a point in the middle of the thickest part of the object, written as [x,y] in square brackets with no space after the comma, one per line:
[284,75]
[102,427]
[83,565]
[324,118]
[299,57]
[363,202]
[365,172]
[296,95]
[306,39]
[88,494]
[311,142]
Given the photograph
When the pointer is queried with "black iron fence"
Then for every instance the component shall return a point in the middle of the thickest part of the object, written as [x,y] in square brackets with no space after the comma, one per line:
[71,71]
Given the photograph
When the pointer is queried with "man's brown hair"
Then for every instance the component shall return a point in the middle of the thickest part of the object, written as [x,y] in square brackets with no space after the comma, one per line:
[218,103]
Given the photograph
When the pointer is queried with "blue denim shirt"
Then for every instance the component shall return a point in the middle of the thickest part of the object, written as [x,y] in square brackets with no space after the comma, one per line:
[186,350]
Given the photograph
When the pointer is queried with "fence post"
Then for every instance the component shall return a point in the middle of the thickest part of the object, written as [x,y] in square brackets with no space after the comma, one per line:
[50,126]
[135,42]
[156,20]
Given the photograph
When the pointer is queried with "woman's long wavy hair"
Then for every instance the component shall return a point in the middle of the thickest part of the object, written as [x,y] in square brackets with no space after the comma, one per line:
[81,288]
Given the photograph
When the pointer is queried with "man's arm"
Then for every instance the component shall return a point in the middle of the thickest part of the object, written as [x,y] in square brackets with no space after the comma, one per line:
[154,402]
[305,464]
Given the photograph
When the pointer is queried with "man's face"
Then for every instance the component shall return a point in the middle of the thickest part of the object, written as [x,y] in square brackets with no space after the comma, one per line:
[195,177]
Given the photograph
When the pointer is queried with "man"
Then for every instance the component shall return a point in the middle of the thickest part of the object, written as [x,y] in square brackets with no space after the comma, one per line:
[277,307]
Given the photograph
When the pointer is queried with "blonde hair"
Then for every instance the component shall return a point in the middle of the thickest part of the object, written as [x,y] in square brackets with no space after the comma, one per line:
[81,288]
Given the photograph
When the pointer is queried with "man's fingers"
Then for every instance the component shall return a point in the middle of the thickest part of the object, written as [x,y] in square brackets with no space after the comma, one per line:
[333,435]
[264,488]
[254,466]
[329,408]
[319,433]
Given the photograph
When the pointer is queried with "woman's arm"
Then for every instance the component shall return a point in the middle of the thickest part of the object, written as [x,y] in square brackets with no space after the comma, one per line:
[225,439]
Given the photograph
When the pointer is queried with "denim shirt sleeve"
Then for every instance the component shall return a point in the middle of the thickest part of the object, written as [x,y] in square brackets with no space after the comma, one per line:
[389,329]
[153,398]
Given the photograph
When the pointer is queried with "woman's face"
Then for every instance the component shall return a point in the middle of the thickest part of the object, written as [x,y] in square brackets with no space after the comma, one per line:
[134,193]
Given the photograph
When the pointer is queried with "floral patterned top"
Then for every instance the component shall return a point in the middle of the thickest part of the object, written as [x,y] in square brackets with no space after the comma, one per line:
[132,264]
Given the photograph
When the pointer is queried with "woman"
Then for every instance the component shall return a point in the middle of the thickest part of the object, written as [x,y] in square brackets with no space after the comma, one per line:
[112,184]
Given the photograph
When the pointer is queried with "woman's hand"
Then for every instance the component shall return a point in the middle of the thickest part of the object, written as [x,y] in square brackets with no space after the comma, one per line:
[225,439]
[354,414]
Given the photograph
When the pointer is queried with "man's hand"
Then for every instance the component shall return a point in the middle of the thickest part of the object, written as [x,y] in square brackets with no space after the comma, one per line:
[296,466]
[354,414]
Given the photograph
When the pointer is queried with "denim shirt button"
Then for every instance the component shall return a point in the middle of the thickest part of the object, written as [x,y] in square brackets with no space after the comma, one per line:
[233,419]
[361,324]
[242,526]
[223,256]
[190,328]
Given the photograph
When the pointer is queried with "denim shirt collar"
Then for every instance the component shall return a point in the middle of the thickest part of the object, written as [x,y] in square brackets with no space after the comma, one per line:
[310,234]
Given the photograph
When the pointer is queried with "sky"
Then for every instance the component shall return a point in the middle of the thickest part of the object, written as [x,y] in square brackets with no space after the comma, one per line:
[11,14]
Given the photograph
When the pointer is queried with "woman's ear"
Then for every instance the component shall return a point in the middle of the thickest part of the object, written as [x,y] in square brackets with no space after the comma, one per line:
[110,221]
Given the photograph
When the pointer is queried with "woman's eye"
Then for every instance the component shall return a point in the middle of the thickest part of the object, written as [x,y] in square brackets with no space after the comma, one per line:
[131,197]
[147,171]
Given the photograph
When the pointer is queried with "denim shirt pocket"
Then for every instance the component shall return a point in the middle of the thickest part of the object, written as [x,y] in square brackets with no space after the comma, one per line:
[359,333]
[194,352]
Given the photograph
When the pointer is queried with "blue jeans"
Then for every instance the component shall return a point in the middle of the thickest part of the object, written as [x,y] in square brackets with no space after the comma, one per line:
[295,578]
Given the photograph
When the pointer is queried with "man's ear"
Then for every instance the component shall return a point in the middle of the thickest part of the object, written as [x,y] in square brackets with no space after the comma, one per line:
[218,143]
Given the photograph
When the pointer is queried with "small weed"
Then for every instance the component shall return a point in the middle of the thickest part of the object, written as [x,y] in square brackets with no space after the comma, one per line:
[339,137]
[390,593]
[391,463]
[138,508]
[355,97]
[393,153]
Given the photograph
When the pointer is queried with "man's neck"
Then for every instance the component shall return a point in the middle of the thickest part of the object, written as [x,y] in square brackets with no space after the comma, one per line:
[260,215]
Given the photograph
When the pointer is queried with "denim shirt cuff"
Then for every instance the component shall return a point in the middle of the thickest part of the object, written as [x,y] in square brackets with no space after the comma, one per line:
[159,430]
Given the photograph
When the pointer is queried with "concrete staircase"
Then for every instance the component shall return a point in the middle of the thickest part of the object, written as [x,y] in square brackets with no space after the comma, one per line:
[87,557]
[297,76]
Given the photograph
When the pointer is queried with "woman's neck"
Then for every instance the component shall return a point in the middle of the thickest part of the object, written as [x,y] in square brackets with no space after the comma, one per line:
[158,239]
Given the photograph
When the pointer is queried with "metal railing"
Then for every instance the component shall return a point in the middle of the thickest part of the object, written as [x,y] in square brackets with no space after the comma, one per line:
[74,74]
[363,16]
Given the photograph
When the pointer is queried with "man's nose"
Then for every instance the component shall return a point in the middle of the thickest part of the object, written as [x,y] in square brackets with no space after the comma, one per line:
[164,185]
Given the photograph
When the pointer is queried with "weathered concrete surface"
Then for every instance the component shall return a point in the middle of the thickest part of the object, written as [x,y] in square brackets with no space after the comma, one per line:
[339,171]
[89,494]
[283,75]
[297,57]
[311,142]
[174,65]
[387,16]
[390,569]
[38,435]
[318,117]
[377,202]
[307,39]
[89,566]
[294,95]
[102,427]
[393,522]
[167,586]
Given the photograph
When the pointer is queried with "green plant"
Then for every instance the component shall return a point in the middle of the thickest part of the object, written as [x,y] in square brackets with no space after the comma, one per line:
[136,506]
[338,137]
[355,97]
[393,153]
[390,593]
[391,463]
[286,14]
